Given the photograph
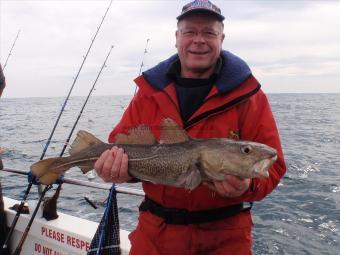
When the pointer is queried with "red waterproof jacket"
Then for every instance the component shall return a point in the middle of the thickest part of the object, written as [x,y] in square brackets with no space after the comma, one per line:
[237,108]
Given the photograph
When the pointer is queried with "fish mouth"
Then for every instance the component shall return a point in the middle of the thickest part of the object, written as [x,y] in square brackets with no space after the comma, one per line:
[260,169]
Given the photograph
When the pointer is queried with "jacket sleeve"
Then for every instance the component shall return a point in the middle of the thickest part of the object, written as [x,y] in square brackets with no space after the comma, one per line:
[257,124]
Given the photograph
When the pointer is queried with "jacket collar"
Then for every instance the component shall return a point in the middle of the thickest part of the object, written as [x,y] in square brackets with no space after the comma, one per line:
[234,72]
[235,76]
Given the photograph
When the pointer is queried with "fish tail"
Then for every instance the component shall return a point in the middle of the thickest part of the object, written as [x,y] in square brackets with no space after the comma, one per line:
[49,170]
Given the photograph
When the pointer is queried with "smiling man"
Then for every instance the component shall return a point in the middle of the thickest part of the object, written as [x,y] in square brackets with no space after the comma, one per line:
[199,40]
[211,93]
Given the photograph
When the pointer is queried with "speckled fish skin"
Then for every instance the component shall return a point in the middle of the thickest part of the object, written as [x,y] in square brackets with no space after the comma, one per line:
[183,164]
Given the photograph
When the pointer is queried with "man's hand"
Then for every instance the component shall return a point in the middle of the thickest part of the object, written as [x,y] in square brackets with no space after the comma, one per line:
[112,166]
[232,186]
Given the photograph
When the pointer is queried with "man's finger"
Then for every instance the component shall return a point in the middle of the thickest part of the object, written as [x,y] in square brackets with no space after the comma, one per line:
[106,169]
[237,183]
[116,165]
[124,174]
[222,189]
[98,165]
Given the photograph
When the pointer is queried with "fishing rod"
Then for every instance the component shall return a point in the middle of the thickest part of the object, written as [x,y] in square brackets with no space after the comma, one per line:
[48,187]
[96,185]
[10,52]
[85,102]
[75,79]
[15,220]
[142,64]
[79,115]
[74,126]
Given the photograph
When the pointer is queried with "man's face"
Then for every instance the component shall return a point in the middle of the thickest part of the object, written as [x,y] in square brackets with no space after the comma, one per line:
[199,41]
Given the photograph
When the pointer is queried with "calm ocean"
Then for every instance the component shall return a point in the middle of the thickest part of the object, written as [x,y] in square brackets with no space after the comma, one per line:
[302,216]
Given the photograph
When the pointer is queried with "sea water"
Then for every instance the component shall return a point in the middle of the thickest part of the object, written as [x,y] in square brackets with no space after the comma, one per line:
[302,215]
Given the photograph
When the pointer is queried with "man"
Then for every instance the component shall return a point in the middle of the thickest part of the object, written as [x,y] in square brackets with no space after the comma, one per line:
[211,93]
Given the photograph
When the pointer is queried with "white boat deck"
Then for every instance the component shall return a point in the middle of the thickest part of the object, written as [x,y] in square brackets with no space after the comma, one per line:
[65,235]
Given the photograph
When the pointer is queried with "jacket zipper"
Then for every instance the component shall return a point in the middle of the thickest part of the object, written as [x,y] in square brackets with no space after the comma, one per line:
[221,108]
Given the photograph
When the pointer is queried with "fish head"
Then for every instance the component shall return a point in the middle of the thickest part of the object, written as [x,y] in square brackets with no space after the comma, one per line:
[221,157]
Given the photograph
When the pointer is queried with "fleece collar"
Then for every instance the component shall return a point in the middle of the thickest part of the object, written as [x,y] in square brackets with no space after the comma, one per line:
[234,72]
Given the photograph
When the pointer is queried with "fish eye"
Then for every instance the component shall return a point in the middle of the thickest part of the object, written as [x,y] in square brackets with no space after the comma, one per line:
[246,149]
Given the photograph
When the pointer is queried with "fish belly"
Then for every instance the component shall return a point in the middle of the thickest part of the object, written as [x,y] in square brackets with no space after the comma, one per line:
[163,167]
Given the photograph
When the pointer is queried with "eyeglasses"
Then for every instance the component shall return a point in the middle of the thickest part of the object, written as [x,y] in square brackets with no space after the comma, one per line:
[206,34]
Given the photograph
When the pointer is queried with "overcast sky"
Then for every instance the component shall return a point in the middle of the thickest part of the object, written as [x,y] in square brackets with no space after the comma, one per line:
[291,46]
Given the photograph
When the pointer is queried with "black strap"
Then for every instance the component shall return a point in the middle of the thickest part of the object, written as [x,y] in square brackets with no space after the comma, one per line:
[184,217]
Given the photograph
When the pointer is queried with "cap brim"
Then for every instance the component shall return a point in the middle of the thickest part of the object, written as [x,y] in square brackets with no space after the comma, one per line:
[212,13]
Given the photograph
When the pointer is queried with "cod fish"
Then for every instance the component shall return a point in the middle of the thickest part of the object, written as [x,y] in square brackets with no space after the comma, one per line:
[177,160]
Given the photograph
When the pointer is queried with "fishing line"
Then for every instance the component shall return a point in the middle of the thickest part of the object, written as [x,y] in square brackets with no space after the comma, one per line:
[15,220]
[10,52]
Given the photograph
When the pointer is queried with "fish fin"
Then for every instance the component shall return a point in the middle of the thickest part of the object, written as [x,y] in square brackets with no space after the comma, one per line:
[48,170]
[83,140]
[139,135]
[49,178]
[43,166]
[171,132]
[192,179]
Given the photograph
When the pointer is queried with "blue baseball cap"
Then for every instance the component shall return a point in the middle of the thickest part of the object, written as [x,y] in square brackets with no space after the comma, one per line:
[201,6]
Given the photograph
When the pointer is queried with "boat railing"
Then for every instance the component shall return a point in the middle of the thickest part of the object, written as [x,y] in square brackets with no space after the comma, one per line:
[97,185]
